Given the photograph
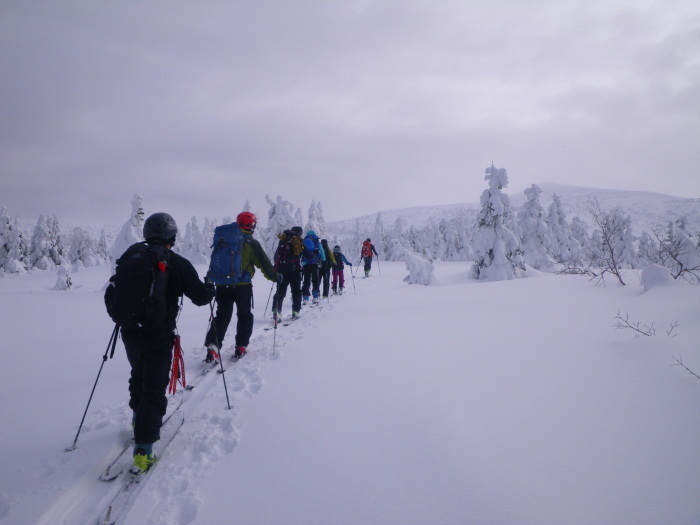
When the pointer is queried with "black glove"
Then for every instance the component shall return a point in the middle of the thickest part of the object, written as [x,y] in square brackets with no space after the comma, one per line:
[210,286]
[349,264]
[279,278]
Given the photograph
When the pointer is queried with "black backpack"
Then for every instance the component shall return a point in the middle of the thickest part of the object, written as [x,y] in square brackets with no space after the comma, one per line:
[137,297]
[287,258]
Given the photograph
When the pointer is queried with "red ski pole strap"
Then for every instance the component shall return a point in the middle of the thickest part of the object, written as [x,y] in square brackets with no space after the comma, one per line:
[178,370]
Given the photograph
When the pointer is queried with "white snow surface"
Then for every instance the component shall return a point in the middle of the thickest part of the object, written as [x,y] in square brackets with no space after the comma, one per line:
[512,402]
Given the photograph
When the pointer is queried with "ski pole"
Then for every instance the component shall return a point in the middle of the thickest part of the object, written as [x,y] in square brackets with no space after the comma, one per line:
[379,267]
[353,281]
[110,346]
[221,363]
[268,300]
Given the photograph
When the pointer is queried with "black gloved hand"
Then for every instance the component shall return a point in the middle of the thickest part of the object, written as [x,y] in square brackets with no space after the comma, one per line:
[279,278]
[210,286]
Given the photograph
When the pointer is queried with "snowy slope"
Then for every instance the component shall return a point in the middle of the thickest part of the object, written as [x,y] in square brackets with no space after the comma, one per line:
[463,402]
[646,209]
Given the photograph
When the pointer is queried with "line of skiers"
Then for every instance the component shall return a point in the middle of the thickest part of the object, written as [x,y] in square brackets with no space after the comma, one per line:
[306,265]
[150,279]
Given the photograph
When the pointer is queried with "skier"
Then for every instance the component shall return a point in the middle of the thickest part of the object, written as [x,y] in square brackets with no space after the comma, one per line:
[288,264]
[240,293]
[311,258]
[366,253]
[149,344]
[338,267]
[325,268]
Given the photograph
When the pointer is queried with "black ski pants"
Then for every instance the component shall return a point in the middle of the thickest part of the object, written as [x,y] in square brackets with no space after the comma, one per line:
[289,280]
[150,356]
[311,280]
[325,277]
[226,296]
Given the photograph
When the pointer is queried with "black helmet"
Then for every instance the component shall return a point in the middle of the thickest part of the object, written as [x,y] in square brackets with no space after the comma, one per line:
[160,227]
[297,230]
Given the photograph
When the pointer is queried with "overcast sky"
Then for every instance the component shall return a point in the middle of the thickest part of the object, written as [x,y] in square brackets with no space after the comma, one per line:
[363,105]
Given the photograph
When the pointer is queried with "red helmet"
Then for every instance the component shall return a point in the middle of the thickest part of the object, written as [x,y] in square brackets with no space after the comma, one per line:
[246,221]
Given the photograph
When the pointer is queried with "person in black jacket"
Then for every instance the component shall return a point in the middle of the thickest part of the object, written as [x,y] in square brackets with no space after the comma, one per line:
[288,265]
[149,347]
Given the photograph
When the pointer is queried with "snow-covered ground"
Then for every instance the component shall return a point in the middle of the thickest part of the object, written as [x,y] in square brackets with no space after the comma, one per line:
[507,402]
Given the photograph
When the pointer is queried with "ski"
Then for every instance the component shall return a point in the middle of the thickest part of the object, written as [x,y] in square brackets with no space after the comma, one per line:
[134,481]
[123,460]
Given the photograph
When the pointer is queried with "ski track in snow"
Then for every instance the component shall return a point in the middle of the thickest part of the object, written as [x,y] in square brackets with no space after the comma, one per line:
[170,494]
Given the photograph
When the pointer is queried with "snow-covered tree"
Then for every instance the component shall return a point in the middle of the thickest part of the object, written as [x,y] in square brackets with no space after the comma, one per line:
[316,221]
[83,250]
[193,242]
[497,250]
[40,251]
[14,254]
[533,231]
[101,248]
[63,279]
[605,249]
[420,269]
[647,250]
[397,242]
[131,232]
[561,240]
[678,252]
[280,217]
[629,257]
[378,236]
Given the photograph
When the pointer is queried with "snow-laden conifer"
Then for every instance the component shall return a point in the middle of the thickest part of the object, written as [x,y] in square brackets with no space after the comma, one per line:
[420,268]
[14,253]
[83,250]
[496,248]
[280,217]
[533,231]
[63,278]
[131,232]
[316,222]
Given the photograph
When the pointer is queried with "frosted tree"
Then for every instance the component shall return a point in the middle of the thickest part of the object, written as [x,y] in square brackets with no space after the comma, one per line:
[579,234]
[56,250]
[316,221]
[280,217]
[647,250]
[131,232]
[533,231]
[83,250]
[101,248]
[14,254]
[678,252]
[396,241]
[192,246]
[560,237]
[605,249]
[378,236]
[420,269]
[63,279]
[629,257]
[4,236]
[41,246]
[497,254]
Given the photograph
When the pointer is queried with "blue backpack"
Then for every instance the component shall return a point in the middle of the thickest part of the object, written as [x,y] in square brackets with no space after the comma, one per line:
[312,250]
[225,265]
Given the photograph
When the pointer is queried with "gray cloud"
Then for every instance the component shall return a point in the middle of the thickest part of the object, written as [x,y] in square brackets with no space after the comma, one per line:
[364,106]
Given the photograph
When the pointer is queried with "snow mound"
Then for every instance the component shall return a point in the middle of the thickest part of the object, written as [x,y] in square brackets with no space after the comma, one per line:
[655,275]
